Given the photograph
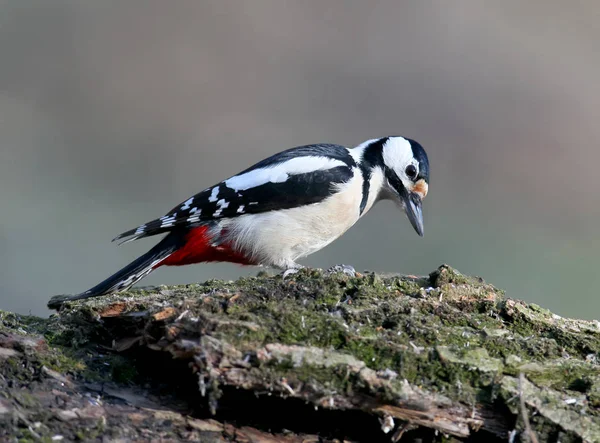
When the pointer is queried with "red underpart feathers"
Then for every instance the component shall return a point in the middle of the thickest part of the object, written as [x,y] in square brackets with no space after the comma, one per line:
[198,249]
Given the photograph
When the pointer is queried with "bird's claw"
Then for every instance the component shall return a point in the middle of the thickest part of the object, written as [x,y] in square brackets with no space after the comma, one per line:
[288,272]
[291,271]
[345,269]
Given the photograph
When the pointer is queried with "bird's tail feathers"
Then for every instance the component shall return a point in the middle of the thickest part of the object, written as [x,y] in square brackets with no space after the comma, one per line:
[130,274]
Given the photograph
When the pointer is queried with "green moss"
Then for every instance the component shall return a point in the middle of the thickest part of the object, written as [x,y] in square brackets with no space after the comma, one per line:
[63,361]
[562,375]
[367,317]
[447,333]
[447,275]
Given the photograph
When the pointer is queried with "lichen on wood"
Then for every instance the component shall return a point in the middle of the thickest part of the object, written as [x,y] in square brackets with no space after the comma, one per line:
[368,358]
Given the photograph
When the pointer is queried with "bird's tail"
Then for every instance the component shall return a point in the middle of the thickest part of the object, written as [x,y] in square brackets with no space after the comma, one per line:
[130,274]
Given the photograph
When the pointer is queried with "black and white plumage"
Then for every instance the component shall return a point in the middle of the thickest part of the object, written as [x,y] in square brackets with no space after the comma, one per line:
[283,208]
[293,178]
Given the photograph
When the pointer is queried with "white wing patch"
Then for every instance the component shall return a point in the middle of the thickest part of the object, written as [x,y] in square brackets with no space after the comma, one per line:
[280,172]
[168,220]
[222,204]
[240,210]
[214,194]
[187,204]
[194,215]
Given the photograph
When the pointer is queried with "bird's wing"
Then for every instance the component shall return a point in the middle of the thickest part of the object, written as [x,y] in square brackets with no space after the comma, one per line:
[290,179]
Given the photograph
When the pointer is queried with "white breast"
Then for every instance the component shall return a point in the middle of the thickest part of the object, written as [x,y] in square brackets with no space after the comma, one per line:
[279,238]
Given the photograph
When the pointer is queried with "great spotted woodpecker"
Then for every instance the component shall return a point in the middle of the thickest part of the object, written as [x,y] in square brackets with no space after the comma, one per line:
[283,208]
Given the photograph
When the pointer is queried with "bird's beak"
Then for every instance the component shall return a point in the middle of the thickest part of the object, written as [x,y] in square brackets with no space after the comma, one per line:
[411,200]
[414,210]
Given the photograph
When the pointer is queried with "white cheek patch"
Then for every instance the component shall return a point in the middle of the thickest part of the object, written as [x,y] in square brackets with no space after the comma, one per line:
[281,172]
[397,155]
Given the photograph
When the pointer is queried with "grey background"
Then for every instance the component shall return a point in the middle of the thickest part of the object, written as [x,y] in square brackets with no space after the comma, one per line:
[113,112]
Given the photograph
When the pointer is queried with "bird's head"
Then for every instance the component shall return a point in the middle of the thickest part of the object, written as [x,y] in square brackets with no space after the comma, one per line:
[406,176]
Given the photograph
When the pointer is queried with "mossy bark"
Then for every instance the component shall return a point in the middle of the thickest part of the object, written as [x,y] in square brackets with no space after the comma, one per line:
[367,358]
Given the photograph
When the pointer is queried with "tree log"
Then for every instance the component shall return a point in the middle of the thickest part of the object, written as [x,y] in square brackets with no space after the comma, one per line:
[314,357]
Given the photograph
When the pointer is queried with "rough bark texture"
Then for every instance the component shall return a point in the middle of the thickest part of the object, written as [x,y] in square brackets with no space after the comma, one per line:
[311,358]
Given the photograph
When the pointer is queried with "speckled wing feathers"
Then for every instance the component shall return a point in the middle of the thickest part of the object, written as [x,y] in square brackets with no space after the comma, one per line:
[289,179]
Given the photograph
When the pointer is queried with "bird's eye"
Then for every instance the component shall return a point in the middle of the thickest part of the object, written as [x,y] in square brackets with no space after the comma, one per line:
[411,171]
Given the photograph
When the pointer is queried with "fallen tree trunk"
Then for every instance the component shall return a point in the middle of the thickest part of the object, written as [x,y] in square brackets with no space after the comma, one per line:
[310,358]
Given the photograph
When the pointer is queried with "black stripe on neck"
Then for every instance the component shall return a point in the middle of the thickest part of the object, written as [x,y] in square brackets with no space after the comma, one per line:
[372,158]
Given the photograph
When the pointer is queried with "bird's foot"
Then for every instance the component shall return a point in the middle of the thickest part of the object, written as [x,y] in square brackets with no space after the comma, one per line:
[291,271]
[345,269]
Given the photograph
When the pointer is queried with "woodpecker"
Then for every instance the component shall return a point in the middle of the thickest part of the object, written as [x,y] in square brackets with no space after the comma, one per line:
[283,208]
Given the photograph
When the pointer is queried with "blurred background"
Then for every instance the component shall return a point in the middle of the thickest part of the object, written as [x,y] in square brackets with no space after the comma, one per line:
[112,112]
